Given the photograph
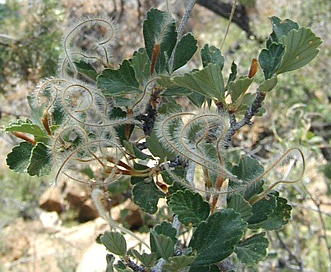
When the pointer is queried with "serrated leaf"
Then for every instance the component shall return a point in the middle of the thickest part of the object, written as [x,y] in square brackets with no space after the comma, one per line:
[147,260]
[268,85]
[159,28]
[207,268]
[118,82]
[166,229]
[114,242]
[178,91]
[239,87]
[280,28]
[141,65]
[211,54]
[240,205]
[253,249]
[270,59]
[40,161]
[177,263]
[262,210]
[280,216]
[87,69]
[185,49]
[28,127]
[215,239]
[208,82]
[247,170]
[301,46]
[146,195]
[162,245]
[19,158]
[190,207]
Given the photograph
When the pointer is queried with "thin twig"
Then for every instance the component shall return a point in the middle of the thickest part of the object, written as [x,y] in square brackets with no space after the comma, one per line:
[229,23]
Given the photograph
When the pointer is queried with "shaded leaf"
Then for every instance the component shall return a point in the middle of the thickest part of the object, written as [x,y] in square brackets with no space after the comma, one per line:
[262,210]
[247,171]
[157,149]
[215,239]
[19,158]
[208,82]
[238,88]
[184,51]
[166,229]
[301,46]
[268,85]
[141,65]
[118,82]
[162,245]
[280,28]
[253,249]
[233,73]
[176,263]
[211,54]
[279,217]
[190,207]
[40,161]
[114,242]
[240,205]
[146,195]
[270,59]
[87,69]
[159,29]
[147,260]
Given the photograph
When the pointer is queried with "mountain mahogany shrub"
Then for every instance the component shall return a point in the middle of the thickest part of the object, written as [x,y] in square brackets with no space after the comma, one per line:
[122,128]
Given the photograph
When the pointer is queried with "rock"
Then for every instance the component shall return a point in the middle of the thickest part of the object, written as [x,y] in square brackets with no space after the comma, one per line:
[51,200]
[50,221]
[76,194]
[87,211]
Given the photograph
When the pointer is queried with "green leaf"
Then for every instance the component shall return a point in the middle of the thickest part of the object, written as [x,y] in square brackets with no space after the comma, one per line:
[240,205]
[185,50]
[247,170]
[239,87]
[159,28]
[301,46]
[207,268]
[141,65]
[87,69]
[178,91]
[28,127]
[177,263]
[146,195]
[19,158]
[114,242]
[157,149]
[253,249]
[268,85]
[118,82]
[280,28]
[147,260]
[137,166]
[208,81]
[270,59]
[166,229]
[211,54]
[279,217]
[162,245]
[262,210]
[190,207]
[40,161]
[215,239]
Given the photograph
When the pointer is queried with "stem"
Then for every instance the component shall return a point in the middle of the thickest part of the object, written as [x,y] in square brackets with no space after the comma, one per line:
[252,110]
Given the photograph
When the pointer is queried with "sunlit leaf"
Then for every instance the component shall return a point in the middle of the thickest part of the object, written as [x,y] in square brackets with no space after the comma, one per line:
[211,54]
[114,242]
[19,158]
[86,69]
[162,245]
[40,161]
